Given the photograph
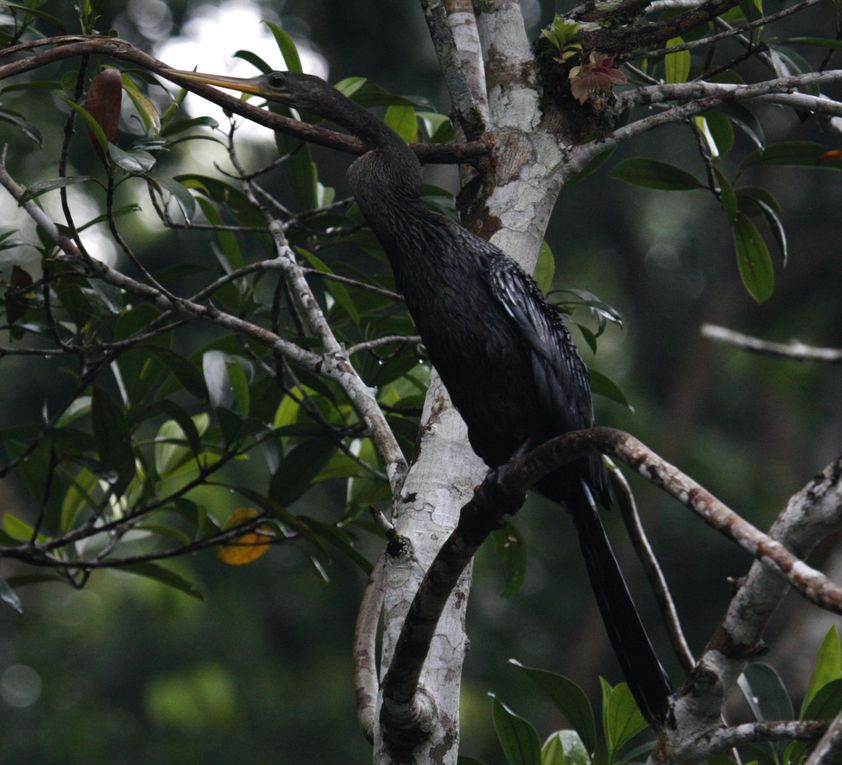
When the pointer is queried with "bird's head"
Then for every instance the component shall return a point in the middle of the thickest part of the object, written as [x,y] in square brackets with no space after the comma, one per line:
[302,91]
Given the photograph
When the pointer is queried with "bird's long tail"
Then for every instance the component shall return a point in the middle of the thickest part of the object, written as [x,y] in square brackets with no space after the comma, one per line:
[646,677]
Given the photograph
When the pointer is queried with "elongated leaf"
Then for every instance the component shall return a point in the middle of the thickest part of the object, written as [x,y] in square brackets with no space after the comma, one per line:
[653,174]
[826,704]
[339,540]
[403,121]
[164,576]
[777,228]
[136,162]
[350,85]
[744,119]
[721,131]
[564,747]
[753,259]
[112,438]
[765,692]
[804,153]
[545,268]
[677,65]
[299,468]
[50,184]
[570,700]
[622,719]
[21,123]
[286,45]
[605,386]
[145,108]
[827,667]
[819,42]
[94,126]
[518,737]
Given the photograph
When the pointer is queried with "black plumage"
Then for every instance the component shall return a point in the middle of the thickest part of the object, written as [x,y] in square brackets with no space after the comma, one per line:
[503,352]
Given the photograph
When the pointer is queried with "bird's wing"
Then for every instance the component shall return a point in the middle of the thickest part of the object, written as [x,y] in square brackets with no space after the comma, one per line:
[560,376]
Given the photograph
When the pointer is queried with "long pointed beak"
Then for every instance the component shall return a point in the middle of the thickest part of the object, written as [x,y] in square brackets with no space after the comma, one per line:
[242,84]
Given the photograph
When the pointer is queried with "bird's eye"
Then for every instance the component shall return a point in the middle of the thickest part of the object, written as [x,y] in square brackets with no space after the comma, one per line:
[277,80]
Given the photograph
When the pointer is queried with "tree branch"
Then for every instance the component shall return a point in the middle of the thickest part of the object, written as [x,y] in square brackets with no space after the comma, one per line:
[120,49]
[811,514]
[828,749]
[794,350]
[453,30]
[721,739]
[365,649]
[502,492]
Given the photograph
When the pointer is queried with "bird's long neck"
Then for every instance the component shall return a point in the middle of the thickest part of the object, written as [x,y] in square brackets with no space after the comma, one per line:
[362,123]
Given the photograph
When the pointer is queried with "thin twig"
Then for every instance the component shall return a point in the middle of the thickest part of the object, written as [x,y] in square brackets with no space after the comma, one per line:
[793,350]
[657,581]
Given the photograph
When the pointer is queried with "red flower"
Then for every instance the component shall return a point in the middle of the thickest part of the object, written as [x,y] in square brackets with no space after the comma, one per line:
[597,76]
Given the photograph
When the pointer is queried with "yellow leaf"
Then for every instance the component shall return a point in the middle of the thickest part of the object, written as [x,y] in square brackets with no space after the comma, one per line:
[247,547]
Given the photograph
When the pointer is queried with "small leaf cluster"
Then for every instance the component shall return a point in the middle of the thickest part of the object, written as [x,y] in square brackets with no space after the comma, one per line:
[561,34]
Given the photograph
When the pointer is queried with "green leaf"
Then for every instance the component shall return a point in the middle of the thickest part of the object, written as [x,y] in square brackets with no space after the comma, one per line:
[137,162]
[677,65]
[21,123]
[91,122]
[510,547]
[605,386]
[183,198]
[42,187]
[765,692]
[825,705]
[799,153]
[112,439]
[622,719]
[298,468]
[78,495]
[403,121]
[721,131]
[287,47]
[827,667]
[339,540]
[753,259]
[9,596]
[240,383]
[564,747]
[463,759]
[744,119]
[145,108]
[183,370]
[654,175]
[164,576]
[570,700]
[518,738]
[819,42]
[545,268]
[350,85]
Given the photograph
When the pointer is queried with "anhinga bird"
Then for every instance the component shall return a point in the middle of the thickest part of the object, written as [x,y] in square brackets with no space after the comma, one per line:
[502,351]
